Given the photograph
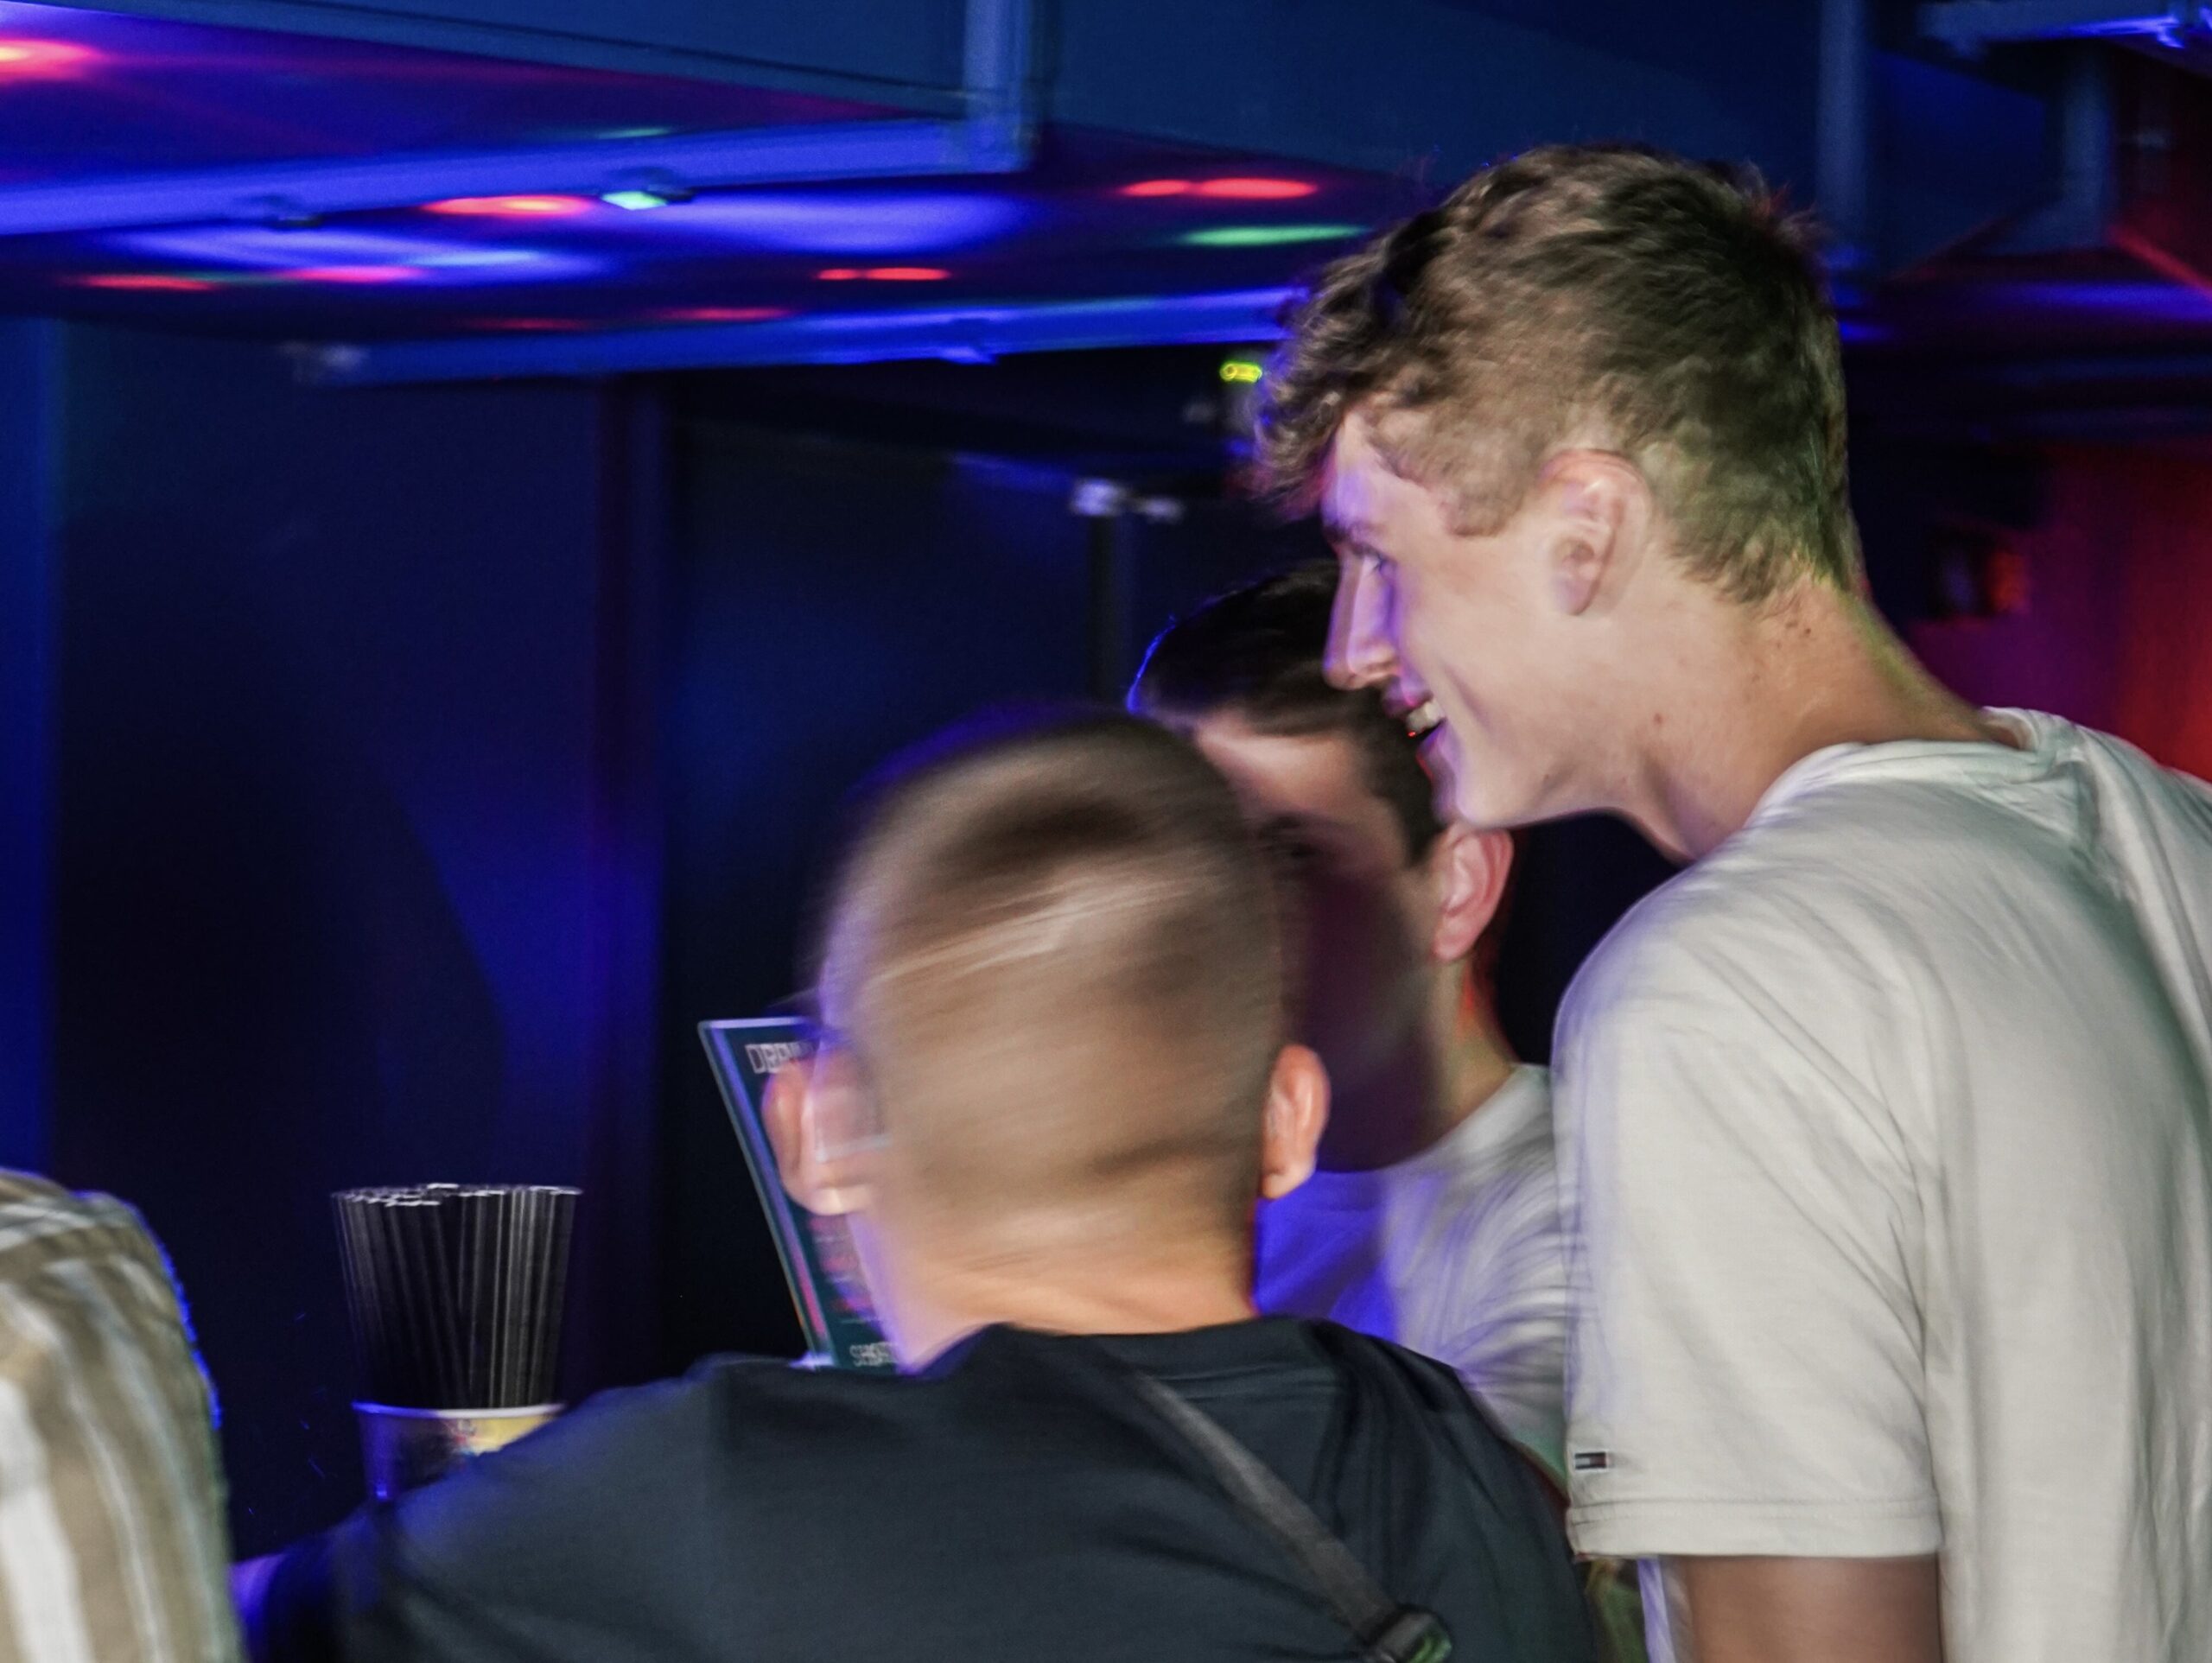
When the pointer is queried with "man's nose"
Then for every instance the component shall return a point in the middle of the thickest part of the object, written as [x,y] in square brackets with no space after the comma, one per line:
[1360,652]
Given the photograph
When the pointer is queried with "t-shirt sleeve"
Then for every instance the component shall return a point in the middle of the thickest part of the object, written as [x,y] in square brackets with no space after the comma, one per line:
[560,1546]
[1745,1371]
[1507,1337]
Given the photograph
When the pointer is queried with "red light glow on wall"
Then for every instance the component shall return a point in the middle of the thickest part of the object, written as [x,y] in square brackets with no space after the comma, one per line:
[350,274]
[884,273]
[1241,188]
[512,208]
[19,56]
[144,282]
[724,313]
[1257,190]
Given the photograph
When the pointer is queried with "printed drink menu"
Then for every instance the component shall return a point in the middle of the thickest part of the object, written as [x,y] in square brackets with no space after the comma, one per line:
[820,1263]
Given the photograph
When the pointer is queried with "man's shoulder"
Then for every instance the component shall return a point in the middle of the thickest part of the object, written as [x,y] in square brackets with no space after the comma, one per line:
[729,1402]
[50,1236]
[1846,891]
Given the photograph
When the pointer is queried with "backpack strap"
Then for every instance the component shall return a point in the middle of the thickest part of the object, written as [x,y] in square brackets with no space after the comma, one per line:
[1386,1631]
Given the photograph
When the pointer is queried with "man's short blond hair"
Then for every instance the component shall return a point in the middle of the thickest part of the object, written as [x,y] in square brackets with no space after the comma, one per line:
[1672,310]
[1056,946]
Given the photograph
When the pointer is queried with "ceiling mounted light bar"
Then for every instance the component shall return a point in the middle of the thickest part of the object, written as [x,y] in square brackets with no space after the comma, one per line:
[974,332]
[994,137]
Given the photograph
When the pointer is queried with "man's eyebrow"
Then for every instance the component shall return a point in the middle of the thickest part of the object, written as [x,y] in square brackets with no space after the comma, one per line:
[1337,529]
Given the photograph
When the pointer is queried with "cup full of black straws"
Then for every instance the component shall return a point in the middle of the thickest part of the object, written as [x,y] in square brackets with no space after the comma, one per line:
[454,1292]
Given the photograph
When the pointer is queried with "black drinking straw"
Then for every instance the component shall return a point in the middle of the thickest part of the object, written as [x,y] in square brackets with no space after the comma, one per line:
[454,1292]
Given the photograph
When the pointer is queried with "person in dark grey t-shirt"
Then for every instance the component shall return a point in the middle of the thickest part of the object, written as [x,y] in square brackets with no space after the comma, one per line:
[1051,1088]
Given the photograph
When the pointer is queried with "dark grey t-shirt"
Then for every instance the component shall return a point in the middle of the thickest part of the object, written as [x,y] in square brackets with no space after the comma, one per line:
[1018,1501]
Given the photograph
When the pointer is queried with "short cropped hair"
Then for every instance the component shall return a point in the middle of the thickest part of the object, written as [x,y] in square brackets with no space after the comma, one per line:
[1259,653]
[1674,307]
[1057,944]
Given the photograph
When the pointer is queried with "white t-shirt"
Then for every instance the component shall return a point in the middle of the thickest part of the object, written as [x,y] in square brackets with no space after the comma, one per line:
[1455,1254]
[1884,1150]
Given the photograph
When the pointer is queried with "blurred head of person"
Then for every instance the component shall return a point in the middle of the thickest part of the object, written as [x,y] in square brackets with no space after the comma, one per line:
[1389,903]
[1573,432]
[1053,1083]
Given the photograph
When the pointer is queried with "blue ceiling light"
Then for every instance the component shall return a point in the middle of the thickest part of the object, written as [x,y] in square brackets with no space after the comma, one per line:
[854,222]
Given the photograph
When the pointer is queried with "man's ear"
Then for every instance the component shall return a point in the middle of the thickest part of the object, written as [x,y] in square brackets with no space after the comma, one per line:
[1598,501]
[1469,868]
[1297,1113]
[806,1119]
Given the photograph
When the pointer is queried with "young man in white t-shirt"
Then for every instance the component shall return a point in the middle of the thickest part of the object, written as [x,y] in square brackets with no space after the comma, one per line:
[1434,1220]
[1883,1128]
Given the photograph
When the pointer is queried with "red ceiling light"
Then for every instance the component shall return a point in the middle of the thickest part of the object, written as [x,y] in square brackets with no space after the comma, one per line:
[1158,187]
[21,56]
[884,273]
[724,313]
[349,274]
[512,208]
[1257,190]
[147,281]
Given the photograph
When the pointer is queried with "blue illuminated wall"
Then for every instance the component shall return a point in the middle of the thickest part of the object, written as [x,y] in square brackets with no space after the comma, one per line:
[830,603]
[30,391]
[342,888]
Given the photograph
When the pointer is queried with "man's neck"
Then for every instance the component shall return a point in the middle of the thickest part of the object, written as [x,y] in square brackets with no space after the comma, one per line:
[1141,1290]
[1453,1064]
[1746,694]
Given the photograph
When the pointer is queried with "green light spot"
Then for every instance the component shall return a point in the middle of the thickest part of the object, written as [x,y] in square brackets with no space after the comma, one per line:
[639,132]
[636,201]
[1268,236]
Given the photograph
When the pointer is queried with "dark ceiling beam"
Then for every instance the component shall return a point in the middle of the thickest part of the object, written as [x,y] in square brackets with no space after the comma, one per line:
[994,135]
[292,191]
[1970,25]
[904,57]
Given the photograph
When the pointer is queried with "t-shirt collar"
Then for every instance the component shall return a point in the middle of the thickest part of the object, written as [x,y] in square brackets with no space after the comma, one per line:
[1455,1150]
[1954,759]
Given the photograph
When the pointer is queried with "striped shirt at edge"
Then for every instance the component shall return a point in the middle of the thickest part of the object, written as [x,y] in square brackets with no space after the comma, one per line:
[112,1546]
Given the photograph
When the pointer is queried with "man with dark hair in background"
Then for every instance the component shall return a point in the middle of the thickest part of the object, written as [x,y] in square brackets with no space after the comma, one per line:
[1433,1218]
[1884,1128]
[1052,1084]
